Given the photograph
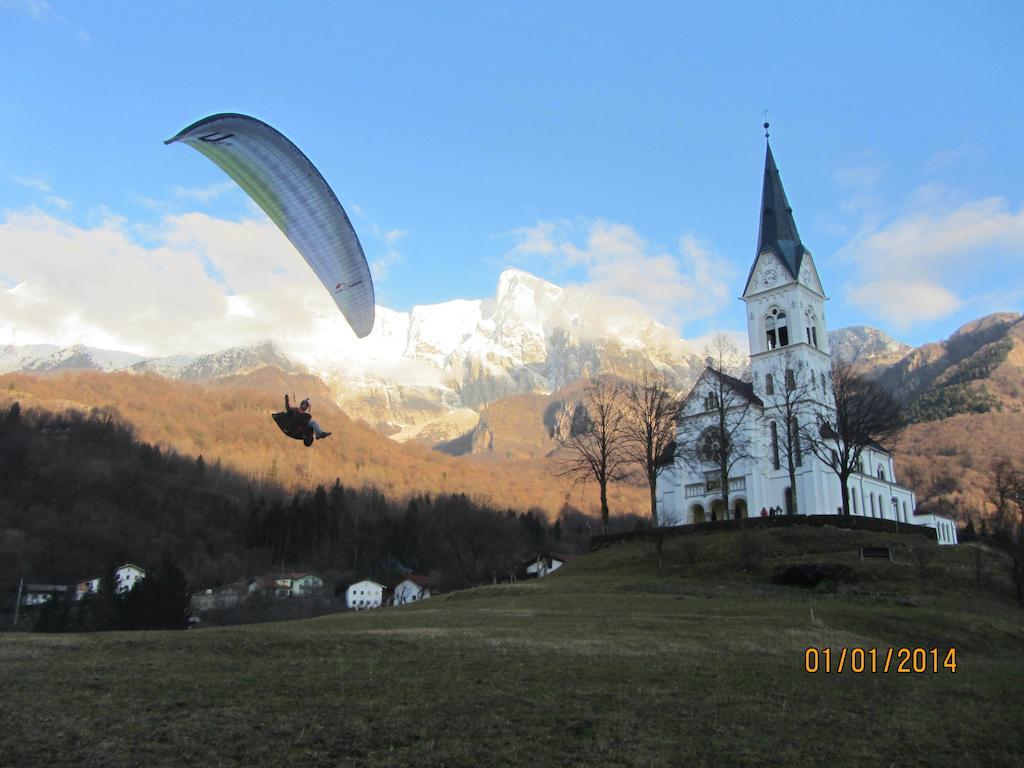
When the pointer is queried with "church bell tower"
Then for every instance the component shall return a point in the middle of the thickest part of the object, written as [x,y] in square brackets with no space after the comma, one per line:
[784,298]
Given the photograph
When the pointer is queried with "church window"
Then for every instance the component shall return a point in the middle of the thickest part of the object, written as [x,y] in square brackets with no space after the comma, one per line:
[776,329]
[808,335]
[814,335]
[775,444]
[881,472]
[769,384]
[711,444]
[711,401]
[871,496]
[790,380]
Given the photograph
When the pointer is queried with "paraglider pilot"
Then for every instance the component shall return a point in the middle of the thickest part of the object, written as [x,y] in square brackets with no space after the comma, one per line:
[303,411]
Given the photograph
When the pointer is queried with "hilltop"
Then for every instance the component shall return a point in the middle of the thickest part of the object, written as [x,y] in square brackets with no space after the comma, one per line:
[228,420]
[611,661]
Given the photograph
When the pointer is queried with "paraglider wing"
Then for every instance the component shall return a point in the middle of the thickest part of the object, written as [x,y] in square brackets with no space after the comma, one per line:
[285,184]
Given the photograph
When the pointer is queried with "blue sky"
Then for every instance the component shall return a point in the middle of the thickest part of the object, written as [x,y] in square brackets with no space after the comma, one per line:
[589,143]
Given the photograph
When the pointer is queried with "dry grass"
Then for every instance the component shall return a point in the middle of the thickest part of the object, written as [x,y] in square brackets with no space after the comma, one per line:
[611,662]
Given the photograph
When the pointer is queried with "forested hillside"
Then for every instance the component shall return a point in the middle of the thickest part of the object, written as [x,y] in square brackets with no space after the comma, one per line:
[80,491]
[228,419]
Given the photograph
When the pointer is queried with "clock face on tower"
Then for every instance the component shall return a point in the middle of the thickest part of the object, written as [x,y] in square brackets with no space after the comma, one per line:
[769,277]
[805,275]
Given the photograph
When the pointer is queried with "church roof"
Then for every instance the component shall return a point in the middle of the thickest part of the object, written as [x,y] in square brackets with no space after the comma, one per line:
[777,232]
[743,388]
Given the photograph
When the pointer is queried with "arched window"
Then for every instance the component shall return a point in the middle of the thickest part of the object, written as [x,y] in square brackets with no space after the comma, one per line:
[880,473]
[775,444]
[776,329]
[871,496]
[811,326]
[711,401]
[769,384]
[790,380]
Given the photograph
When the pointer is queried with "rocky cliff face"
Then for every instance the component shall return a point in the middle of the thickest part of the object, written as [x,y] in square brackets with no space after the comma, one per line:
[865,347]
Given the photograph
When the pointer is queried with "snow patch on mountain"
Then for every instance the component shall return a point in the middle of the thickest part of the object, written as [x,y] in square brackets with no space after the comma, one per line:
[78,357]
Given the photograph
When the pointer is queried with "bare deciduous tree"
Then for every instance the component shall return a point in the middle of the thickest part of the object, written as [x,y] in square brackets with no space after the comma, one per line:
[789,404]
[857,413]
[649,429]
[715,428]
[593,448]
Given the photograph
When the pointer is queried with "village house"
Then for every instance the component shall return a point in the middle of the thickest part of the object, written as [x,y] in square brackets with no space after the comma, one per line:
[411,589]
[33,595]
[364,594]
[127,576]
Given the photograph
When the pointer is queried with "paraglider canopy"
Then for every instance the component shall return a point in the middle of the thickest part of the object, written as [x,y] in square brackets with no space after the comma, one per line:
[288,187]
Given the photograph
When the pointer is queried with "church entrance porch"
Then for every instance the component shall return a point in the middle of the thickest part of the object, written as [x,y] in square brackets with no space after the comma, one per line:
[739,509]
[717,510]
[697,513]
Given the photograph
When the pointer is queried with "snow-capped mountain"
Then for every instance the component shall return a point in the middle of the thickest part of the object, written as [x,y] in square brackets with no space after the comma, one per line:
[228,362]
[49,357]
[864,346]
[430,370]
[533,336]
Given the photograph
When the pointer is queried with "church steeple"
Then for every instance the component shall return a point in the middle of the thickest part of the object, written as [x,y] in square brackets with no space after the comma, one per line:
[777,232]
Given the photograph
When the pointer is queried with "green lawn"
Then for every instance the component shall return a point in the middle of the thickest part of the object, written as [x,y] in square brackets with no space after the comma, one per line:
[609,662]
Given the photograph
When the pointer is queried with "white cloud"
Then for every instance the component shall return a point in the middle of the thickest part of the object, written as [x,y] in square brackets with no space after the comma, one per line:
[394,235]
[672,287]
[41,185]
[37,9]
[99,285]
[58,202]
[207,193]
[922,265]
[903,302]
[31,182]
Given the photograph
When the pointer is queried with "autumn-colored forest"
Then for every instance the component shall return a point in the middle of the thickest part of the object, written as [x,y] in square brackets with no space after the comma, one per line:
[228,421]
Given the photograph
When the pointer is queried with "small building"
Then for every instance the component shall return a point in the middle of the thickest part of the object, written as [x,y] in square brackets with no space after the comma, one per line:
[363,595]
[288,585]
[411,589]
[306,585]
[545,564]
[33,595]
[227,597]
[127,576]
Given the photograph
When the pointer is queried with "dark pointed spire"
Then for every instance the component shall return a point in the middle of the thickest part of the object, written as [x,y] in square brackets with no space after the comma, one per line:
[778,229]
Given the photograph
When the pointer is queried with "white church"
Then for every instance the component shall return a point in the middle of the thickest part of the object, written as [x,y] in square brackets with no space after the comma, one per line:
[788,339]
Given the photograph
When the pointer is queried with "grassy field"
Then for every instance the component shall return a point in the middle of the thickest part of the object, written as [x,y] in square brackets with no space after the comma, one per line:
[610,662]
